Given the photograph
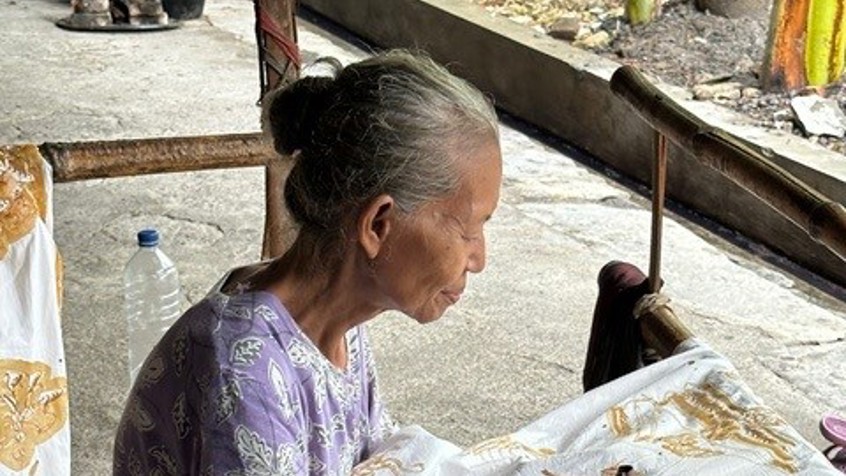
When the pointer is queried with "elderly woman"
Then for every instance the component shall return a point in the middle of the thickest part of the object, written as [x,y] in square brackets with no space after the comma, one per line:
[397,171]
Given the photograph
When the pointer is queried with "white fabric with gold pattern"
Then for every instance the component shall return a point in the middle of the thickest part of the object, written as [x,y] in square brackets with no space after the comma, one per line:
[688,414]
[34,430]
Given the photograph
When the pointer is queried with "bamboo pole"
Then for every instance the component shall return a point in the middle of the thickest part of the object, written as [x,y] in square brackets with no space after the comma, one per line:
[663,331]
[659,187]
[821,218]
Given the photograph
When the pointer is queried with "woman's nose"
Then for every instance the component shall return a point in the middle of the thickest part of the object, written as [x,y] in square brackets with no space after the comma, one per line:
[476,260]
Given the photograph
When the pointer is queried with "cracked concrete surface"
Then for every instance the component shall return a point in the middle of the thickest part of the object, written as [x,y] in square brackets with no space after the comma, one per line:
[511,350]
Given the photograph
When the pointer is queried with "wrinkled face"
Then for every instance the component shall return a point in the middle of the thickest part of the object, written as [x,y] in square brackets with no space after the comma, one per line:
[433,250]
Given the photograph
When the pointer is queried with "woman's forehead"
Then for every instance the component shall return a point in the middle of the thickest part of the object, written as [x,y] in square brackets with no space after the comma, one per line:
[479,182]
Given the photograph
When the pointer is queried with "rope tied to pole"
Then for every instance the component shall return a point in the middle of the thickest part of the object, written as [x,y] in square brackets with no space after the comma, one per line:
[270,27]
[268,31]
[650,304]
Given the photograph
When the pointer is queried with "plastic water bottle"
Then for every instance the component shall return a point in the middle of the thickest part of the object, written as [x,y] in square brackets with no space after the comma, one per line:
[152,297]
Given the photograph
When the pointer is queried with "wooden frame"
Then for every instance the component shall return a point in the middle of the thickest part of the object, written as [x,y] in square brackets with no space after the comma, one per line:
[278,65]
[820,217]
[823,219]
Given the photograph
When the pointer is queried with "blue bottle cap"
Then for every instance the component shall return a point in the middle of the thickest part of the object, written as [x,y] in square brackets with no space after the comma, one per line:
[148,237]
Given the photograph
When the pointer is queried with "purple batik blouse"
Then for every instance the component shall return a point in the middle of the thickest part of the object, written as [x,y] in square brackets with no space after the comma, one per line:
[236,388]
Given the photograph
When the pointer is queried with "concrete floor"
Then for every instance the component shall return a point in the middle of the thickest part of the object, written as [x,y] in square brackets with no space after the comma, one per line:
[510,351]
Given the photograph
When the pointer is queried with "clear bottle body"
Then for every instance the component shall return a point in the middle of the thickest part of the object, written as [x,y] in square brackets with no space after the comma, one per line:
[152,301]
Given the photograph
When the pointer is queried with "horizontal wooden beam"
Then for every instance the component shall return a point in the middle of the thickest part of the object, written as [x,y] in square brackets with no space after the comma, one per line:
[72,161]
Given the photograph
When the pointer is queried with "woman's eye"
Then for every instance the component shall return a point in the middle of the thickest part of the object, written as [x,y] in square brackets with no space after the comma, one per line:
[474,237]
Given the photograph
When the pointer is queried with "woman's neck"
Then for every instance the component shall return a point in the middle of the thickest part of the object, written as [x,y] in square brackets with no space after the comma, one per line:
[324,303]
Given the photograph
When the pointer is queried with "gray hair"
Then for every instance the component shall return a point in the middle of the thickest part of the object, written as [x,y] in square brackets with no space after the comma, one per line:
[392,124]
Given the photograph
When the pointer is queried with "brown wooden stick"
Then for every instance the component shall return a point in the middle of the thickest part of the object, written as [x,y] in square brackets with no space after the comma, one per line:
[659,187]
[73,161]
[821,218]
[660,328]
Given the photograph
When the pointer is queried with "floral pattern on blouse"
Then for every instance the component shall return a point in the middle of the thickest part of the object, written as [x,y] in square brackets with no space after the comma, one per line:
[236,388]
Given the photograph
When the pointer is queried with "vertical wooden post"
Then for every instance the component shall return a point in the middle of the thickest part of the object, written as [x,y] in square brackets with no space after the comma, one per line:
[276,35]
[659,186]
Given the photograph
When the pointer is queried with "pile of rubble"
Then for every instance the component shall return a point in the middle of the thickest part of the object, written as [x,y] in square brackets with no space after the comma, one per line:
[715,57]
[588,24]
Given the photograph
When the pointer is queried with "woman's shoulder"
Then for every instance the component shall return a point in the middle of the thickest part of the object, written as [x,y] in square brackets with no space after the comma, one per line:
[232,327]
[237,279]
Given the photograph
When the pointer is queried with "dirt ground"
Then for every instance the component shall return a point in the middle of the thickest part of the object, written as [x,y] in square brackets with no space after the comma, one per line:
[684,47]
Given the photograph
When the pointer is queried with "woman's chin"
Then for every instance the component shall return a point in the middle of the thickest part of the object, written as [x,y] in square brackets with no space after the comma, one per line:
[430,314]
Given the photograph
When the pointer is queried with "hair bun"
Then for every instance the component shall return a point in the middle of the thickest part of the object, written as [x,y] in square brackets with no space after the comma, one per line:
[292,113]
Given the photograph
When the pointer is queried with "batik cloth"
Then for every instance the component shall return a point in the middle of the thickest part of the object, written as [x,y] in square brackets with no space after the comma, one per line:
[34,429]
[688,414]
[236,388]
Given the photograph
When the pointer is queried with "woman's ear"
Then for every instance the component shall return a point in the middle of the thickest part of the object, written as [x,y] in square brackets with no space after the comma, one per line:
[375,223]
